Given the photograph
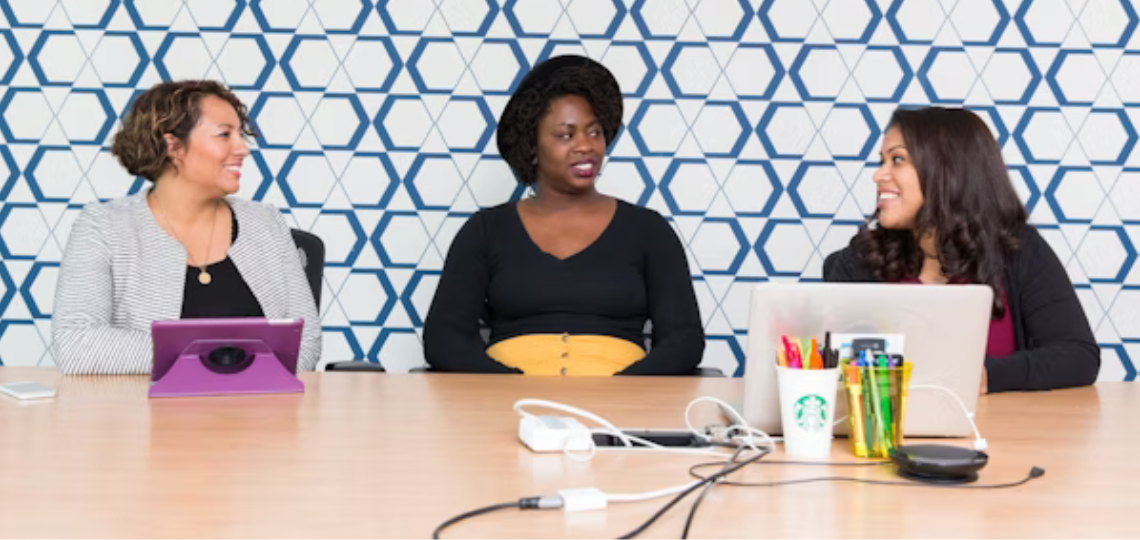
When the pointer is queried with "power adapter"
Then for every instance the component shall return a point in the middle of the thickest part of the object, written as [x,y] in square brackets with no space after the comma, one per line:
[554,434]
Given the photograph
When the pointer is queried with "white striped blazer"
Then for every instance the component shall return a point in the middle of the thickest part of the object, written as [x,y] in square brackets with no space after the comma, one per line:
[121,271]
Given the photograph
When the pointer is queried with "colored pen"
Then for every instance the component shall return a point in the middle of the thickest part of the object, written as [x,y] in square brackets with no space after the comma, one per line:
[781,358]
[904,381]
[787,350]
[855,394]
[816,358]
[896,406]
[868,410]
[882,378]
[827,359]
[877,404]
[885,391]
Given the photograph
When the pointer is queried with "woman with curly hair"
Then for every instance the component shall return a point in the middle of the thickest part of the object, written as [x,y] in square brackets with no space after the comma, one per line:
[565,279]
[175,250]
[948,213]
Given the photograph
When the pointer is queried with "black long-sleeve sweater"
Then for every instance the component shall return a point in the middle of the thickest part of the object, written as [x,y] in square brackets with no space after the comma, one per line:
[1055,347]
[635,271]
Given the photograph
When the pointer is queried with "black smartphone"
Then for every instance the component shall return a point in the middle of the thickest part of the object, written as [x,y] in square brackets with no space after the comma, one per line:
[673,439]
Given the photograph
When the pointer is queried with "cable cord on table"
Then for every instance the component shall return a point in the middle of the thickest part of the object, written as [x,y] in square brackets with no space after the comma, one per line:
[1035,472]
[728,463]
[730,466]
[556,501]
[468,515]
[526,503]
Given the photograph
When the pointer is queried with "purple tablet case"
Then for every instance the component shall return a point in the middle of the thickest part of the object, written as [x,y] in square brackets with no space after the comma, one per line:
[182,348]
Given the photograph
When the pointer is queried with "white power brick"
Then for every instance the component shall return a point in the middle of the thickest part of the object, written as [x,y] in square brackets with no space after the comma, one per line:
[554,434]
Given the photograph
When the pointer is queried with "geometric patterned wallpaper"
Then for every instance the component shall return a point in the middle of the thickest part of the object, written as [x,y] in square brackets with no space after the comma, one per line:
[754,125]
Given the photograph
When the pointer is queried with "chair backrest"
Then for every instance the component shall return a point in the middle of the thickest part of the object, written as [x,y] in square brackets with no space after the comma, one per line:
[312,259]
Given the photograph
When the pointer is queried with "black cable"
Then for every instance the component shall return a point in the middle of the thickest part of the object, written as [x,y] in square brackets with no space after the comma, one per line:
[473,513]
[817,463]
[704,492]
[709,486]
[1035,472]
[725,472]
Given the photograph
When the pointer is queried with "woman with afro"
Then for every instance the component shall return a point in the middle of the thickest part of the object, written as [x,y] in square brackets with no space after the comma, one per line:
[567,278]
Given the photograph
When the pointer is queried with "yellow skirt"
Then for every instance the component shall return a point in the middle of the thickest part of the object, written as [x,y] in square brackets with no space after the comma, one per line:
[564,354]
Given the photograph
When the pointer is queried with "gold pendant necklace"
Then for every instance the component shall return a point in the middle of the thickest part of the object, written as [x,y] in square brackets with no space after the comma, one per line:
[203,275]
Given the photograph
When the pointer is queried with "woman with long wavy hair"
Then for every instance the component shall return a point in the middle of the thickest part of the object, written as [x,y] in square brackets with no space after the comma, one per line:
[947,213]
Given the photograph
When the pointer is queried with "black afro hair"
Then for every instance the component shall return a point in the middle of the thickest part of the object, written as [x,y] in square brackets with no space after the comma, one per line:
[547,81]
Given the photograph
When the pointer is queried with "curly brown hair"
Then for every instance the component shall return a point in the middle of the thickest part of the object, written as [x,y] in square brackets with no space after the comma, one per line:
[557,77]
[970,206]
[169,107]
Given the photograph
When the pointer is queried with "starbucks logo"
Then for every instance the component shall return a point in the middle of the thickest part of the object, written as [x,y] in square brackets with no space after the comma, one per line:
[811,412]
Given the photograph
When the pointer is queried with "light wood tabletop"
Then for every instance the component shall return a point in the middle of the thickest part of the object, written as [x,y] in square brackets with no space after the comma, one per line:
[374,455]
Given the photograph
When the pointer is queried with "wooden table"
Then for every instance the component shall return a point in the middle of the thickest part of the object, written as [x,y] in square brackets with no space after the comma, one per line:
[372,455]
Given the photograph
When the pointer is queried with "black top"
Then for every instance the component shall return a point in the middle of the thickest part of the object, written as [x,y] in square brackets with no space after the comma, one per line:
[1055,347]
[635,270]
[227,295]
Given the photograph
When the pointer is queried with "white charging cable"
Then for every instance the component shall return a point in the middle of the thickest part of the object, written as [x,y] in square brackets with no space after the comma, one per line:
[739,424]
[979,443]
[579,499]
[739,431]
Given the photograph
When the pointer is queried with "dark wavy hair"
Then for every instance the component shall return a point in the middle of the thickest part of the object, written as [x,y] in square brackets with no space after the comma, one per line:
[970,206]
[559,76]
[169,107]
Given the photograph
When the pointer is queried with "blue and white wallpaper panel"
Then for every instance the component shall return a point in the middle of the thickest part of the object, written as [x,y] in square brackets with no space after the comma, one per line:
[754,125]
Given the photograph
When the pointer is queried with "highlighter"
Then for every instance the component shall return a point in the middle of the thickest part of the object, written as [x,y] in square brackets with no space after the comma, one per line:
[884,381]
[855,394]
[868,411]
[896,405]
[813,354]
[877,405]
[791,353]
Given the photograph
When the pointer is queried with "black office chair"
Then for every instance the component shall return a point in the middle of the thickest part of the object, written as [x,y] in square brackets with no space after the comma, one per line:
[312,260]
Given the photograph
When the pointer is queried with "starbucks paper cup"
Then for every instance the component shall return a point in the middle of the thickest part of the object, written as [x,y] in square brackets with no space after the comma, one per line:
[807,410]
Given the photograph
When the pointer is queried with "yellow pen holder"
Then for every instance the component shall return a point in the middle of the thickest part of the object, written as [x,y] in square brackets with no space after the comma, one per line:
[876,412]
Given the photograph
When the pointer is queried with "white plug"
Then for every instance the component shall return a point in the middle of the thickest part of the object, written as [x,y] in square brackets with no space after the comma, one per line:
[581,499]
[554,434]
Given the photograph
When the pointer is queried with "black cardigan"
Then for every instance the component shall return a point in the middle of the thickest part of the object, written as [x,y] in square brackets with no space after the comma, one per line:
[636,270]
[1055,347]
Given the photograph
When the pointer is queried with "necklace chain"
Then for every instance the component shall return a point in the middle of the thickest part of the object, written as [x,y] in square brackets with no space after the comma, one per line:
[203,276]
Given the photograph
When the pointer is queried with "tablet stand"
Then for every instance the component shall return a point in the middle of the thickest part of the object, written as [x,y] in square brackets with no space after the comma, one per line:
[192,375]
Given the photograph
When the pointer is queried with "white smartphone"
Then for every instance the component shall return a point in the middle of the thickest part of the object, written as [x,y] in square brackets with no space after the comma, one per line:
[27,390]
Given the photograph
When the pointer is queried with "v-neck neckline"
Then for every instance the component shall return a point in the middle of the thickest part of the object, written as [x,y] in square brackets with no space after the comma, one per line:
[577,254]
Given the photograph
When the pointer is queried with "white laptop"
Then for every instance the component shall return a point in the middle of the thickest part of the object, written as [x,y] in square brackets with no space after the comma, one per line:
[945,328]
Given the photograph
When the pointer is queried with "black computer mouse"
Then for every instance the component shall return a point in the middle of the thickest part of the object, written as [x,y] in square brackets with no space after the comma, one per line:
[227,359]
